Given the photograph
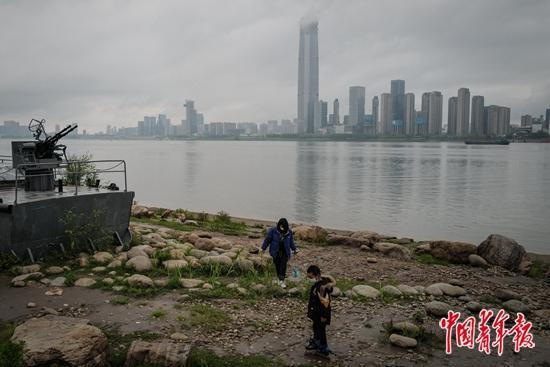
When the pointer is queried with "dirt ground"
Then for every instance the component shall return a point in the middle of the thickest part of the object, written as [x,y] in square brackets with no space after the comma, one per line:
[278,327]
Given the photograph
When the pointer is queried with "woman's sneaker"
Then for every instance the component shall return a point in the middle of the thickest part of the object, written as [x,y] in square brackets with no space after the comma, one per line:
[282,284]
[312,345]
[324,351]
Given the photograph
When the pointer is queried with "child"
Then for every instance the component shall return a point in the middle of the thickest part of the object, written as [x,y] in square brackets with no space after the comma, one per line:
[319,309]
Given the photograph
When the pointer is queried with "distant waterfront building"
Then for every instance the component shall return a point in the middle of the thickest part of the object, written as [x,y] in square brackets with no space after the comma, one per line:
[308,75]
[324,114]
[526,120]
[398,104]
[421,126]
[425,109]
[451,119]
[463,112]
[477,126]
[385,114]
[410,114]
[320,115]
[336,112]
[435,114]
[191,117]
[375,107]
[498,120]
[149,125]
[141,128]
[356,105]
[272,127]
[163,126]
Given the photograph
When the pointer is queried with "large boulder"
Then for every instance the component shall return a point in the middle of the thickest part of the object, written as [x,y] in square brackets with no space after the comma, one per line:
[140,281]
[310,233]
[103,257]
[477,261]
[160,353]
[61,341]
[336,240]
[501,251]
[454,252]
[205,244]
[393,250]
[403,341]
[140,263]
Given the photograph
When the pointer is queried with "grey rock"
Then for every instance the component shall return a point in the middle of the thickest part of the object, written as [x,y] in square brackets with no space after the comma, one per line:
[140,263]
[452,251]
[403,341]
[473,307]
[407,290]
[502,251]
[514,305]
[506,294]
[191,283]
[405,327]
[64,341]
[84,282]
[103,257]
[21,280]
[160,353]
[436,308]
[366,291]
[391,290]
[141,281]
[434,290]
[477,261]
[53,270]
[337,240]
[392,250]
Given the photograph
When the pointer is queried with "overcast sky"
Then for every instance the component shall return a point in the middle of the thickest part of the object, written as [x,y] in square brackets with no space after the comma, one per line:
[112,62]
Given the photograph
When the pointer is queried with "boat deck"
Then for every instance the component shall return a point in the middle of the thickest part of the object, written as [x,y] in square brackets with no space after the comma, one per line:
[8,194]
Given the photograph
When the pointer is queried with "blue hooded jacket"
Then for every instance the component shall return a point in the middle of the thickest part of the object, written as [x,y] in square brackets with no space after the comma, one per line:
[272,239]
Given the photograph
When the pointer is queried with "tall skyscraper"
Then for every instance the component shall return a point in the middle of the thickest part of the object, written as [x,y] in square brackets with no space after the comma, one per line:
[491,113]
[451,116]
[336,112]
[463,112]
[375,105]
[308,75]
[384,127]
[356,105]
[426,106]
[547,119]
[526,120]
[410,114]
[503,120]
[435,115]
[324,114]
[320,115]
[478,124]
[190,117]
[398,103]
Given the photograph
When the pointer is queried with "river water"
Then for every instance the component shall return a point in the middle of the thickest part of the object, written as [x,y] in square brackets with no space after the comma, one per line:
[433,190]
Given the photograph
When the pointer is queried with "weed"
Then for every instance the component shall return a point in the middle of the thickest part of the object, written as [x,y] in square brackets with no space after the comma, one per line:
[205,358]
[158,314]
[428,259]
[11,354]
[538,270]
[120,300]
[119,344]
[208,317]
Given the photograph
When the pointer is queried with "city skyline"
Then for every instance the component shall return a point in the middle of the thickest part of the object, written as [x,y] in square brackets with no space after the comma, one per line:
[83,76]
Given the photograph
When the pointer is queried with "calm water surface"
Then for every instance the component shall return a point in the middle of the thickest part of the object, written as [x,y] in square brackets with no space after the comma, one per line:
[420,190]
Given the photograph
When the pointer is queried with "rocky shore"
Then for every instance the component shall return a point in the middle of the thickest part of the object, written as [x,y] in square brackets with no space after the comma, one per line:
[193,287]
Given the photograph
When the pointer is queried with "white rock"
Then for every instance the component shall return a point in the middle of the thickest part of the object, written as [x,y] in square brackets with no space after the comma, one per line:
[84,282]
[366,291]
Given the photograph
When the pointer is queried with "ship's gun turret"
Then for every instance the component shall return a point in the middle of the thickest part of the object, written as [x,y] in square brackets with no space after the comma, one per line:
[37,159]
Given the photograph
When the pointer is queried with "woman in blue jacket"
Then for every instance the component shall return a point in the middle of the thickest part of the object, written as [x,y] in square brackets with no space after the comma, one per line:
[280,242]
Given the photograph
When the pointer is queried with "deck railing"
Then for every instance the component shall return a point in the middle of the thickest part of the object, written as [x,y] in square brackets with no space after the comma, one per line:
[72,173]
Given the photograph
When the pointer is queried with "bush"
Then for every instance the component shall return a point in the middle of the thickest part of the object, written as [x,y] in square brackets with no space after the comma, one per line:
[11,354]
[79,170]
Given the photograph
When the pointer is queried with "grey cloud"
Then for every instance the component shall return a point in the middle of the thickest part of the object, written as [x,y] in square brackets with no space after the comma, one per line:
[111,62]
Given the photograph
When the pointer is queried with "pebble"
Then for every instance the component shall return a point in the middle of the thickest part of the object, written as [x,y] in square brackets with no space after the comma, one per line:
[31,305]
[54,292]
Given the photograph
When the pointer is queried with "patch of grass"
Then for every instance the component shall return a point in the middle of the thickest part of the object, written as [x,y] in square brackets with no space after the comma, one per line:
[419,316]
[11,354]
[168,224]
[120,300]
[70,278]
[158,314]
[162,255]
[428,259]
[7,261]
[346,284]
[538,270]
[205,358]
[208,317]
[119,344]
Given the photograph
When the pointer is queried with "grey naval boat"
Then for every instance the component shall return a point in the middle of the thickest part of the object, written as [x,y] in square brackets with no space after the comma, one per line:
[40,188]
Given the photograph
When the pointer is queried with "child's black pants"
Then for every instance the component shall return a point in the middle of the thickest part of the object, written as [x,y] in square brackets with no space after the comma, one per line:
[320,332]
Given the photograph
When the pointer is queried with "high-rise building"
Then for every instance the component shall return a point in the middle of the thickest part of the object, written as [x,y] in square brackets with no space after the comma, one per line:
[356,105]
[398,103]
[384,127]
[321,109]
[410,114]
[477,126]
[425,108]
[336,112]
[149,125]
[308,75]
[497,120]
[163,125]
[191,117]
[435,115]
[451,119]
[375,106]
[503,121]
[463,112]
